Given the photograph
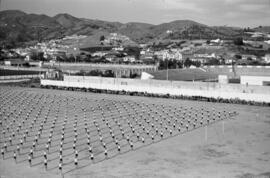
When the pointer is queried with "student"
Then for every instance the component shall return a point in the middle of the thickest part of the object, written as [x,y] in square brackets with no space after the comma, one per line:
[138,136]
[92,156]
[47,147]
[31,152]
[18,148]
[21,141]
[45,163]
[90,149]
[60,158]
[76,154]
[60,166]
[76,161]
[161,134]
[2,152]
[15,156]
[49,141]
[61,150]
[30,159]
[142,139]
[106,153]
[45,155]
[5,146]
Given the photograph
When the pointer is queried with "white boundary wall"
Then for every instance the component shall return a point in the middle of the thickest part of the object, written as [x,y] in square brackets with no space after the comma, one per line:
[205,89]
[11,77]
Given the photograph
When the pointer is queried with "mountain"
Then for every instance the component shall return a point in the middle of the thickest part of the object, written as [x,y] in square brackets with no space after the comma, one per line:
[66,20]
[263,29]
[19,26]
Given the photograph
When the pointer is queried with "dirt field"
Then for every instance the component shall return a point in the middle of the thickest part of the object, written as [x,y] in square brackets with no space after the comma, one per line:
[234,146]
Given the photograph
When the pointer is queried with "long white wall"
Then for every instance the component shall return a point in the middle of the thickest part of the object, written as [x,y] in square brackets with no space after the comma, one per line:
[227,91]
[11,77]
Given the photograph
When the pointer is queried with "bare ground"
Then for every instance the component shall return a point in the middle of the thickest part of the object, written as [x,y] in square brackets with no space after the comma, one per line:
[240,150]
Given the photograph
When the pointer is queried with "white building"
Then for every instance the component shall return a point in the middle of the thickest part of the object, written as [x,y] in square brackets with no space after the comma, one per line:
[255,80]
[172,55]
[267,58]
[99,53]
[129,59]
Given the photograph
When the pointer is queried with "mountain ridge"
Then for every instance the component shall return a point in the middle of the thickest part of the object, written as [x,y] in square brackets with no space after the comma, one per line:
[18,25]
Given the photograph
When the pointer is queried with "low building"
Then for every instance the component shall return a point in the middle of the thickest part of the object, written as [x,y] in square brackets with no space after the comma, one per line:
[129,59]
[249,57]
[15,62]
[100,53]
[266,58]
[255,80]
[172,55]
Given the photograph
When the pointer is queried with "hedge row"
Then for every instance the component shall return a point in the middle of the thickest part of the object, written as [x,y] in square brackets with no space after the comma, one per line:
[145,94]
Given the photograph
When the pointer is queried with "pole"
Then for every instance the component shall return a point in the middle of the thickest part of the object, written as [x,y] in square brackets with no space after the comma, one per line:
[167,70]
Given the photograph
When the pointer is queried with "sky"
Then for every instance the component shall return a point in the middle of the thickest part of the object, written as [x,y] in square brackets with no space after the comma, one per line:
[240,13]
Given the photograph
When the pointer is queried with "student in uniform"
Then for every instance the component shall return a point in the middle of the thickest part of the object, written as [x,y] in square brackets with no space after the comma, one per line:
[60,166]
[76,161]
[45,155]
[45,164]
[2,153]
[15,156]
[92,156]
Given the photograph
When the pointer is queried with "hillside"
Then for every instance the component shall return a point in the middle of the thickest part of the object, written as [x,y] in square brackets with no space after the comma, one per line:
[264,29]
[18,26]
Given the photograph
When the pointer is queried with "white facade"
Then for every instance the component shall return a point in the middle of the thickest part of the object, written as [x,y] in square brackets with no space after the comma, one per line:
[172,55]
[254,80]
[223,79]
[267,58]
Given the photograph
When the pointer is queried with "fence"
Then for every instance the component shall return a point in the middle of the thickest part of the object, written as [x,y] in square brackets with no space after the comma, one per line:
[204,89]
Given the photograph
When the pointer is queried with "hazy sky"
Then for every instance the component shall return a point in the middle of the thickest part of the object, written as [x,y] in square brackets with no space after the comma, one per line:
[211,12]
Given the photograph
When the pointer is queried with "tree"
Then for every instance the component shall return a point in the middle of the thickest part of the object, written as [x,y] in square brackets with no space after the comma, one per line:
[238,41]
[237,56]
[102,38]
[108,73]
[187,62]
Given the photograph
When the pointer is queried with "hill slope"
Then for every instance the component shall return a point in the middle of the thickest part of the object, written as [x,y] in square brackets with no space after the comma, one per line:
[19,26]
